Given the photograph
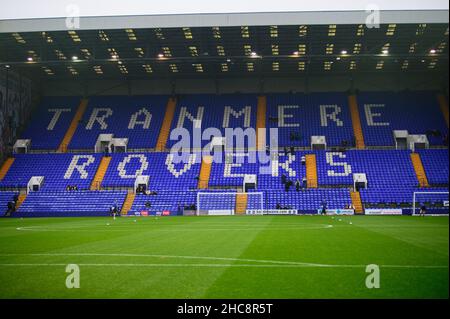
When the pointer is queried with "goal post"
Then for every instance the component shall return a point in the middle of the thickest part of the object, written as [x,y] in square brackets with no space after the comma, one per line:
[436,202]
[225,203]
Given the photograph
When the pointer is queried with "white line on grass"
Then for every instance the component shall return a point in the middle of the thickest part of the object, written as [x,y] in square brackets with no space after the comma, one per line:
[277,262]
[262,263]
[121,228]
[217,265]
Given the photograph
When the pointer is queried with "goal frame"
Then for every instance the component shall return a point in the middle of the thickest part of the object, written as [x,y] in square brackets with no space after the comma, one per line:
[261,194]
[429,193]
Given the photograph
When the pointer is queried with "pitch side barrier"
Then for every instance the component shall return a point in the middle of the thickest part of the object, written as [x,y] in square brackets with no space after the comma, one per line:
[331,212]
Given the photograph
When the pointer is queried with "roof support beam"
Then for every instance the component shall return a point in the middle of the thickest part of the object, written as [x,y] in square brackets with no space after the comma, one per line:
[224,20]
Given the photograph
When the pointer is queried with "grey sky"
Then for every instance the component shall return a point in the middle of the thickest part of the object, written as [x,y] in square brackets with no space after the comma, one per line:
[26,9]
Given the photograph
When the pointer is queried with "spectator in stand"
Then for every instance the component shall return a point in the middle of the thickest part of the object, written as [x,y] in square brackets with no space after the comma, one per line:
[304,183]
[297,185]
[292,136]
[107,151]
[303,160]
[288,185]
[445,139]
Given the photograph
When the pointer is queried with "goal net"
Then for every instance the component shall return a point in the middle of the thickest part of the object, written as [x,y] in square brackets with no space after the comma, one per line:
[436,203]
[217,203]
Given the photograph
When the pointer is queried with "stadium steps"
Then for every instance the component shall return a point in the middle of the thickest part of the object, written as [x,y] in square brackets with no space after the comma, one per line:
[126,207]
[20,201]
[356,122]
[167,123]
[420,170]
[100,174]
[205,172]
[311,171]
[241,203]
[261,122]
[443,103]
[5,168]
[73,126]
[357,202]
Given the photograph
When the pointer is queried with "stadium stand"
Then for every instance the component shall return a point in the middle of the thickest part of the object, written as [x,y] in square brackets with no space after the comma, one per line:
[310,200]
[73,126]
[356,122]
[300,116]
[165,170]
[59,170]
[173,201]
[215,111]
[436,164]
[138,118]
[51,121]
[392,174]
[231,174]
[403,198]
[417,112]
[90,203]
[386,169]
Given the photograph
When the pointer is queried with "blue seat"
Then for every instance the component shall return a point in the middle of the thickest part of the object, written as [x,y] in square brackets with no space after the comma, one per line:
[390,173]
[164,171]
[138,118]
[59,170]
[212,108]
[416,112]
[51,121]
[90,203]
[303,115]
[435,163]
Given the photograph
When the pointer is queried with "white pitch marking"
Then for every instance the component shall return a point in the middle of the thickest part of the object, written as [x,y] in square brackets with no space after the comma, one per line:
[269,263]
[121,228]
[218,265]
[165,256]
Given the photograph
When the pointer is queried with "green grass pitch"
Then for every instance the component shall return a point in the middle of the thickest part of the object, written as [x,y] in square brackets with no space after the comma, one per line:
[225,257]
